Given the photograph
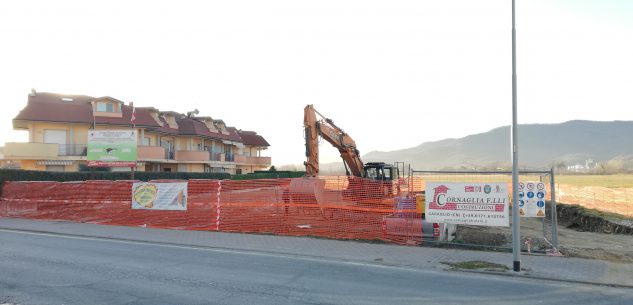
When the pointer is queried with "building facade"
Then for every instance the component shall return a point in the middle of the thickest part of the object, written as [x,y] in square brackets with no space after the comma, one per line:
[58,127]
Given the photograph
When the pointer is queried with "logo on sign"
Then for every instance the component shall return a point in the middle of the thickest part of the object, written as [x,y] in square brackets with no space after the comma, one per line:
[440,195]
[540,195]
[530,186]
[540,186]
[487,189]
[530,194]
[540,203]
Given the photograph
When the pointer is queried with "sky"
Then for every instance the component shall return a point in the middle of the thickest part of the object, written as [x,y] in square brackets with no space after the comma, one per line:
[392,74]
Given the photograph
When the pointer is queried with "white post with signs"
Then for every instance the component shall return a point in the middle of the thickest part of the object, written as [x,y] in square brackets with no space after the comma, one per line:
[532,199]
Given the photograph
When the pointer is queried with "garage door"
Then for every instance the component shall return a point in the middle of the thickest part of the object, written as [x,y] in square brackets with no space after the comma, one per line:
[56,137]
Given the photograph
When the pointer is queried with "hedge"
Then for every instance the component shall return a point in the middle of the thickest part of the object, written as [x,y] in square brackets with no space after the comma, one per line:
[269,175]
[26,175]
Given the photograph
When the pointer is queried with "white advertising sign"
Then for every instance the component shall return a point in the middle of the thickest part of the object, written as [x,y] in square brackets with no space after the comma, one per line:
[532,199]
[159,196]
[482,204]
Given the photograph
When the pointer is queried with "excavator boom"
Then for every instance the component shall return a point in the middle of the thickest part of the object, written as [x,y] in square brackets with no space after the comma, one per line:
[316,125]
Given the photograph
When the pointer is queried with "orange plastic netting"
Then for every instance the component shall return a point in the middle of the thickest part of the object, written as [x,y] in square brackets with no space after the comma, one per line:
[331,207]
[614,200]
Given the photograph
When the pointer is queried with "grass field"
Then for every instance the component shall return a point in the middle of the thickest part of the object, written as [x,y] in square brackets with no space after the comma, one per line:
[611,181]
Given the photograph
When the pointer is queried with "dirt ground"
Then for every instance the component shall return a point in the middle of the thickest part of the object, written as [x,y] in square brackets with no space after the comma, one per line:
[615,247]
[572,242]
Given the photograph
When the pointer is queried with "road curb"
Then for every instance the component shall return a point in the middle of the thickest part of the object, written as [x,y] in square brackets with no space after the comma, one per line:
[536,277]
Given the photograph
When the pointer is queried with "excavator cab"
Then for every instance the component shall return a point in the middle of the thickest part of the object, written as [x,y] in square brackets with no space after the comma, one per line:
[381,171]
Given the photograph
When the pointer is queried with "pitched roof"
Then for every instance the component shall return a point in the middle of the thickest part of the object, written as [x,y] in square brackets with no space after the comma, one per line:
[165,128]
[252,138]
[50,107]
[193,126]
[143,118]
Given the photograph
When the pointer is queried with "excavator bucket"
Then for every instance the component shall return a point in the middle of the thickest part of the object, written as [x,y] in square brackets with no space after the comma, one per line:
[305,191]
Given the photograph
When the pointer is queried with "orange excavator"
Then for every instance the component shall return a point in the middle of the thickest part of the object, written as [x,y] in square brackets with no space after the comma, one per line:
[367,183]
[317,125]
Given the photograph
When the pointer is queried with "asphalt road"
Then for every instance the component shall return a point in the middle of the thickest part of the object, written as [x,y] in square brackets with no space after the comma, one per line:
[40,268]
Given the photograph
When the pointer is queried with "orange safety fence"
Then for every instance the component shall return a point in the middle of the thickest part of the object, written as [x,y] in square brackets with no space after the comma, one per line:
[330,207]
[613,200]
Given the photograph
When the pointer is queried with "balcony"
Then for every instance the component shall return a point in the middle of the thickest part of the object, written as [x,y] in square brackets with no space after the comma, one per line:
[215,156]
[229,157]
[151,152]
[192,155]
[72,150]
[239,159]
[30,150]
[44,150]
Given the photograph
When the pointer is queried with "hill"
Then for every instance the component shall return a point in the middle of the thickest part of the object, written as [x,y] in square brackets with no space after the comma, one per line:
[540,146]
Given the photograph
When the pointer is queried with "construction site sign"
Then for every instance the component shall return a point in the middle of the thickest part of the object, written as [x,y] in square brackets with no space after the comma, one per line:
[115,148]
[481,204]
[159,196]
[532,199]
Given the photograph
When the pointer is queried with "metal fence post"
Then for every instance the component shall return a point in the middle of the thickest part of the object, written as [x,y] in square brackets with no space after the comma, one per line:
[554,211]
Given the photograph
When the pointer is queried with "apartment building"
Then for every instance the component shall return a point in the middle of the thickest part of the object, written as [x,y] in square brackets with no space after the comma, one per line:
[58,128]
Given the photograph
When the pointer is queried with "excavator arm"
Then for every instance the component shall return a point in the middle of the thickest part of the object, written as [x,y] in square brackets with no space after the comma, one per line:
[325,128]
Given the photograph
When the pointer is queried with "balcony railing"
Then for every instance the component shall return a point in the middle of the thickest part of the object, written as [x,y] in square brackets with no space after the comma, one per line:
[45,150]
[216,156]
[192,155]
[72,149]
[239,159]
[151,152]
[229,157]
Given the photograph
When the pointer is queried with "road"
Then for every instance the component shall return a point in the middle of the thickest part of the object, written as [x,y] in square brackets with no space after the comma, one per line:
[45,268]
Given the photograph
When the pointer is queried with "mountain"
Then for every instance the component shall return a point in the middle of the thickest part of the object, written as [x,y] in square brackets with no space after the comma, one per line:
[540,145]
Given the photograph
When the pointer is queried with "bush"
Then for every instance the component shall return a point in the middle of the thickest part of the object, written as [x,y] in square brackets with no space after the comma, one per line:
[86,168]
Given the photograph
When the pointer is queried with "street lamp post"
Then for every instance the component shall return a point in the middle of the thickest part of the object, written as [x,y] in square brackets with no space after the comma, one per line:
[516,233]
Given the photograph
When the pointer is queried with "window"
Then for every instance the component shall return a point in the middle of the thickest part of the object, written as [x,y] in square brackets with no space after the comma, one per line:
[147,141]
[238,171]
[105,107]
[372,173]
[387,174]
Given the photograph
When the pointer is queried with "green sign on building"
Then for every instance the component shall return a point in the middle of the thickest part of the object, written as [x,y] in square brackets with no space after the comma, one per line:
[112,148]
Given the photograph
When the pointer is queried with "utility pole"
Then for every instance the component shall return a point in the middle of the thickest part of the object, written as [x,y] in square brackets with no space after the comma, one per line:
[516,220]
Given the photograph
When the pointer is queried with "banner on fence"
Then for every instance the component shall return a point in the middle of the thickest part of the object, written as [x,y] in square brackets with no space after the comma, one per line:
[482,204]
[532,199]
[112,148]
[159,196]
